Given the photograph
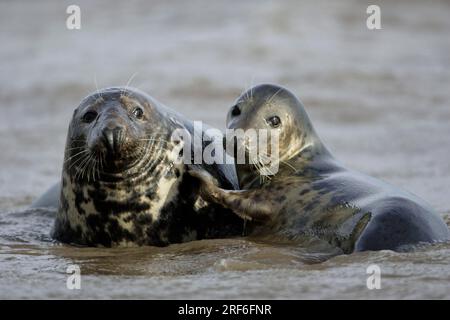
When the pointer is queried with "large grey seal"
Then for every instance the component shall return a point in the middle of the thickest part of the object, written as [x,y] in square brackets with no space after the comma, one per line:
[121,183]
[312,194]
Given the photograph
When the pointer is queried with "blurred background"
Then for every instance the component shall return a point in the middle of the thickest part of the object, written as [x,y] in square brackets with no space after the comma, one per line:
[379,99]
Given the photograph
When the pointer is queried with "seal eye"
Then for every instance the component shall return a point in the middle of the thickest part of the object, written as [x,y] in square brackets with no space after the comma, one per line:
[90,116]
[274,121]
[235,111]
[138,112]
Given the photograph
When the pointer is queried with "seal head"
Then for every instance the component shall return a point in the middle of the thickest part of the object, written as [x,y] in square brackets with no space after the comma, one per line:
[275,109]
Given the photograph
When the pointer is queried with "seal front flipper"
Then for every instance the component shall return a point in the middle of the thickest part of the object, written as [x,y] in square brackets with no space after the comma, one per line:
[248,204]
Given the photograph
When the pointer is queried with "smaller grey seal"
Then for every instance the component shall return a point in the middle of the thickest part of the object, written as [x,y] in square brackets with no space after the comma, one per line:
[312,194]
[122,183]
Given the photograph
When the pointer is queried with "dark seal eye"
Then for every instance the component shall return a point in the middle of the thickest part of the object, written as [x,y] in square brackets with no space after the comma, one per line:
[274,121]
[90,116]
[138,112]
[235,111]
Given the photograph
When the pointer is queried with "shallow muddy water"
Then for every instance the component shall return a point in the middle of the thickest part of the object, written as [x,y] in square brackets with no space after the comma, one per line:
[379,100]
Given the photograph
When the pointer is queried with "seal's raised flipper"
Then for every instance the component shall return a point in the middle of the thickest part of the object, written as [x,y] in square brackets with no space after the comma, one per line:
[245,203]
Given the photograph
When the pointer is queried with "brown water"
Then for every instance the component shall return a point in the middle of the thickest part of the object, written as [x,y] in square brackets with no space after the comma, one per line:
[379,99]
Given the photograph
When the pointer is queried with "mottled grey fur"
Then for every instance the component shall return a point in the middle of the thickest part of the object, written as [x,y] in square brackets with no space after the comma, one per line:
[130,190]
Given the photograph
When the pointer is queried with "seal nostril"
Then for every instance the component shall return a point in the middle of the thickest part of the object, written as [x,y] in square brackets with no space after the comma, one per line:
[235,111]
[113,138]
[118,134]
[108,138]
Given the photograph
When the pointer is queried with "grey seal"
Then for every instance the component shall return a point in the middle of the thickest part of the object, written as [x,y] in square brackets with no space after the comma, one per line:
[312,194]
[121,183]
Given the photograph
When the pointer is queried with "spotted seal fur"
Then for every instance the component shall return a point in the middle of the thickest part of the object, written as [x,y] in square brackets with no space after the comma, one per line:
[121,184]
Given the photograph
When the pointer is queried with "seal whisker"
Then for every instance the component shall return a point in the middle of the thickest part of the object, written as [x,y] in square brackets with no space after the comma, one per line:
[155,136]
[80,168]
[131,79]
[86,169]
[99,168]
[94,168]
[79,160]
[75,148]
[268,101]
[89,167]
[97,91]
[102,164]
[75,155]
[289,165]
[251,87]
[269,160]
[160,146]
[260,165]
[150,139]
[70,151]
[77,169]
[268,172]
